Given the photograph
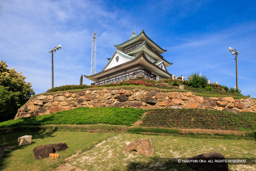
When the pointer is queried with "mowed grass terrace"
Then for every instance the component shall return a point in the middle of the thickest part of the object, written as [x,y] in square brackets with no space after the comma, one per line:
[111,126]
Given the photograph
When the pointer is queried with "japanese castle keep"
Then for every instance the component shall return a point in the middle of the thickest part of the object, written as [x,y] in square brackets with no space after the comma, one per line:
[137,58]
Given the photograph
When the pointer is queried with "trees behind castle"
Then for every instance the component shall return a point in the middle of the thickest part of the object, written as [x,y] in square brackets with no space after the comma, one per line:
[14,91]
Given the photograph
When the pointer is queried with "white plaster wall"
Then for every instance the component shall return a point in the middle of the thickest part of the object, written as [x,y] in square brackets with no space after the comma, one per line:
[114,63]
[162,66]
[158,77]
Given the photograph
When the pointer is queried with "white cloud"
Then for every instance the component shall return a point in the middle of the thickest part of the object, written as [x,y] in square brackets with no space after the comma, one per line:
[29,29]
[208,53]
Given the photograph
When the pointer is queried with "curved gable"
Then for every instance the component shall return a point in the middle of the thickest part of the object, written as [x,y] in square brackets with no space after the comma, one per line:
[117,59]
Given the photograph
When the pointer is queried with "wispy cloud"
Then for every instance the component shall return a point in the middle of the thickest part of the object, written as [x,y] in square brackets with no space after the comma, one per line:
[208,53]
[29,29]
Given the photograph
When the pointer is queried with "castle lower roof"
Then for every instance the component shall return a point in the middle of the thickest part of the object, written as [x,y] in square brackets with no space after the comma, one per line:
[141,59]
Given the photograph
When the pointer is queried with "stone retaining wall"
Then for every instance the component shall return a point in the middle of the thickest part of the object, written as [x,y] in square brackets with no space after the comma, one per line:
[138,98]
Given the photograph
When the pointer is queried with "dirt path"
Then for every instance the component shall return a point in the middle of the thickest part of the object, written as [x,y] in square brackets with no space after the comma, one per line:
[109,154]
[67,166]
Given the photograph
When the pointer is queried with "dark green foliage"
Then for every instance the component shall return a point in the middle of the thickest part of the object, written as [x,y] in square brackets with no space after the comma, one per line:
[232,90]
[209,88]
[176,132]
[226,88]
[82,115]
[14,91]
[176,83]
[153,130]
[5,103]
[156,164]
[68,87]
[189,85]
[238,91]
[214,93]
[251,134]
[199,118]
[197,81]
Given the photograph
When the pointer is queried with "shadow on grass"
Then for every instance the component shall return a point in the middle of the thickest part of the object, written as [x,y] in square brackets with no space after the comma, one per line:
[9,139]
[157,164]
[29,121]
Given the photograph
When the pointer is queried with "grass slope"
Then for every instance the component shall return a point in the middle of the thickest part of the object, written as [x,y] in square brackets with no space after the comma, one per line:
[82,115]
[114,119]
[200,118]
[21,157]
[110,156]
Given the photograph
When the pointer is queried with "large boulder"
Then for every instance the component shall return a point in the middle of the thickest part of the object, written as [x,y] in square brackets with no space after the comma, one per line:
[122,98]
[209,103]
[43,151]
[25,140]
[144,147]
[231,110]
[60,146]
[150,100]
[208,166]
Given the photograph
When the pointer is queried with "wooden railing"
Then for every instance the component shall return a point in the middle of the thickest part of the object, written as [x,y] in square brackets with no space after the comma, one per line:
[136,74]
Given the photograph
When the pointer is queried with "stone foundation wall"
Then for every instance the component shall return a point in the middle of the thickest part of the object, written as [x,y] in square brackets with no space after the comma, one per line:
[138,98]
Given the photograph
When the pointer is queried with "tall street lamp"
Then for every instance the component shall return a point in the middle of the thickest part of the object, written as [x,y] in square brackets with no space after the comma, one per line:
[51,51]
[235,52]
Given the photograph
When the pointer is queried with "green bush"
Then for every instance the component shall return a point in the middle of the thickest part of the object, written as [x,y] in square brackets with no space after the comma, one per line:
[176,83]
[226,88]
[197,81]
[67,87]
[232,90]
[209,88]
[238,91]
[14,91]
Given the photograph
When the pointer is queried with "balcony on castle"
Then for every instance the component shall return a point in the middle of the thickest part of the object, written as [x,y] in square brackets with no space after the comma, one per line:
[132,75]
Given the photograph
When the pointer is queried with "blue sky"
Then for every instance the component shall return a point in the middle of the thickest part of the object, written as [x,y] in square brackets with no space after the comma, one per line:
[195,33]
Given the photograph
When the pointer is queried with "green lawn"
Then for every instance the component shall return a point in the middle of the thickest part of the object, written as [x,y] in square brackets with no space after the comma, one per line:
[114,119]
[21,157]
[109,155]
[82,115]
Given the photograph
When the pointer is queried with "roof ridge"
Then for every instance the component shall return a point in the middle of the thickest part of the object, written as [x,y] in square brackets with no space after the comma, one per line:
[138,36]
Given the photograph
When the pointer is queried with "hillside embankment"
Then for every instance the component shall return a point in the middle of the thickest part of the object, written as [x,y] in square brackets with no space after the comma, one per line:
[144,98]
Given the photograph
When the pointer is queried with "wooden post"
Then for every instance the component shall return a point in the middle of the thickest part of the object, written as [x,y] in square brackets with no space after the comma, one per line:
[81,80]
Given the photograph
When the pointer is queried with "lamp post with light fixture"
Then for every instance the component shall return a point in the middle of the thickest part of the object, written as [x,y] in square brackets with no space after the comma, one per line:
[51,51]
[235,52]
